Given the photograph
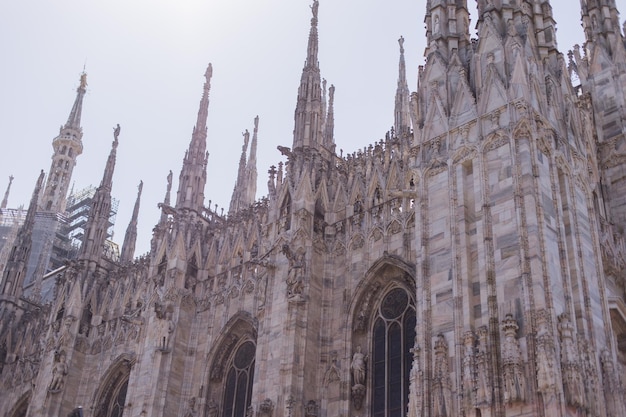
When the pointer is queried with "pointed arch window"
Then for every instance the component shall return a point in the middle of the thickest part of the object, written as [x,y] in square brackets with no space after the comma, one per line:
[393,335]
[285,213]
[112,398]
[239,378]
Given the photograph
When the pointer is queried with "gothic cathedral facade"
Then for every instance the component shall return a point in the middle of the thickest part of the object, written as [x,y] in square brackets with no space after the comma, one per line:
[470,264]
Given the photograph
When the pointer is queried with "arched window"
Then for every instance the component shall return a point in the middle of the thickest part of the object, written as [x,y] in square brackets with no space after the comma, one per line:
[239,378]
[393,335]
[21,408]
[112,395]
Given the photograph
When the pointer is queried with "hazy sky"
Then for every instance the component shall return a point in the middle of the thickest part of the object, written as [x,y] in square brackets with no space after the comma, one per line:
[145,61]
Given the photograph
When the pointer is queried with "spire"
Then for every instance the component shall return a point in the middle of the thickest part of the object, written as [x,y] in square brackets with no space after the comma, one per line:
[309,115]
[73,121]
[402,119]
[5,200]
[600,21]
[100,211]
[166,200]
[67,146]
[193,174]
[251,171]
[130,239]
[237,199]
[244,192]
[15,270]
[329,128]
[447,28]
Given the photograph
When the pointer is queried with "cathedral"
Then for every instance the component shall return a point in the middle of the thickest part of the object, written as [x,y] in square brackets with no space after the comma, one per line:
[471,263]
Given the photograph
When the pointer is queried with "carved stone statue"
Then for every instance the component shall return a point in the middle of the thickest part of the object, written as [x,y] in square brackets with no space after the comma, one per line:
[212,409]
[442,392]
[59,370]
[358,370]
[469,369]
[546,372]
[358,366]
[116,131]
[310,410]
[570,364]
[266,408]
[295,283]
[314,8]
[483,384]
[514,381]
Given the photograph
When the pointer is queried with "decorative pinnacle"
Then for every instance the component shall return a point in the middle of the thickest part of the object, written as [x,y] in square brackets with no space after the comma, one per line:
[314,9]
[401,42]
[83,80]
[6,194]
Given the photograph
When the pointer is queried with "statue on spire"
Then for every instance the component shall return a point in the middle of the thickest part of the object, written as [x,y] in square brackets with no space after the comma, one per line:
[83,80]
[209,72]
[116,132]
[401,42]
[315,8]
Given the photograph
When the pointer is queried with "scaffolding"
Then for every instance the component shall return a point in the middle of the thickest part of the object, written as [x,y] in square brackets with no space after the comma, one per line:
[78,207]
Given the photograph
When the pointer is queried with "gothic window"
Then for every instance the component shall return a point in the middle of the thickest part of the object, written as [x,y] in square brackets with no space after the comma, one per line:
[239,378]
[70,153]
[393,335]
[112,398]
[285,213]
[21,408]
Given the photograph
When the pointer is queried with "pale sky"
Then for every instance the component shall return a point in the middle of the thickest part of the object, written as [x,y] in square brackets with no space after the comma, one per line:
[145,61]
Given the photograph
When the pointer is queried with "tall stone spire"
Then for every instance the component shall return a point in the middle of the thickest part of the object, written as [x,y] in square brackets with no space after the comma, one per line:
[5,200]
[329,126]
[67,146]
[529,18]
[98,222]
[236,198]
[251,171]
[167,198]
[402,114]
[130,239]
[447,28]
[244,191]
[309,115]
[600,20]
[193,174]
[15,270]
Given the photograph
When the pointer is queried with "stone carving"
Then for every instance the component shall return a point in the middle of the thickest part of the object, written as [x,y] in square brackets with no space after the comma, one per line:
[332,373]
[514,380]
[266,408]
[416,381]
[191,407]
[572,379]
[310,409]
[546,372]
[483,383]
[295,274]
[358,369]
[59,370]
[442,385]
[360,323]
[358,366]
[612,389]
[469,370]
[212,409]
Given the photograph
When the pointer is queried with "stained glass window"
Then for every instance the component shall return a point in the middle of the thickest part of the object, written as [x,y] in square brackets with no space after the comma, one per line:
[393,335]
[238,389]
